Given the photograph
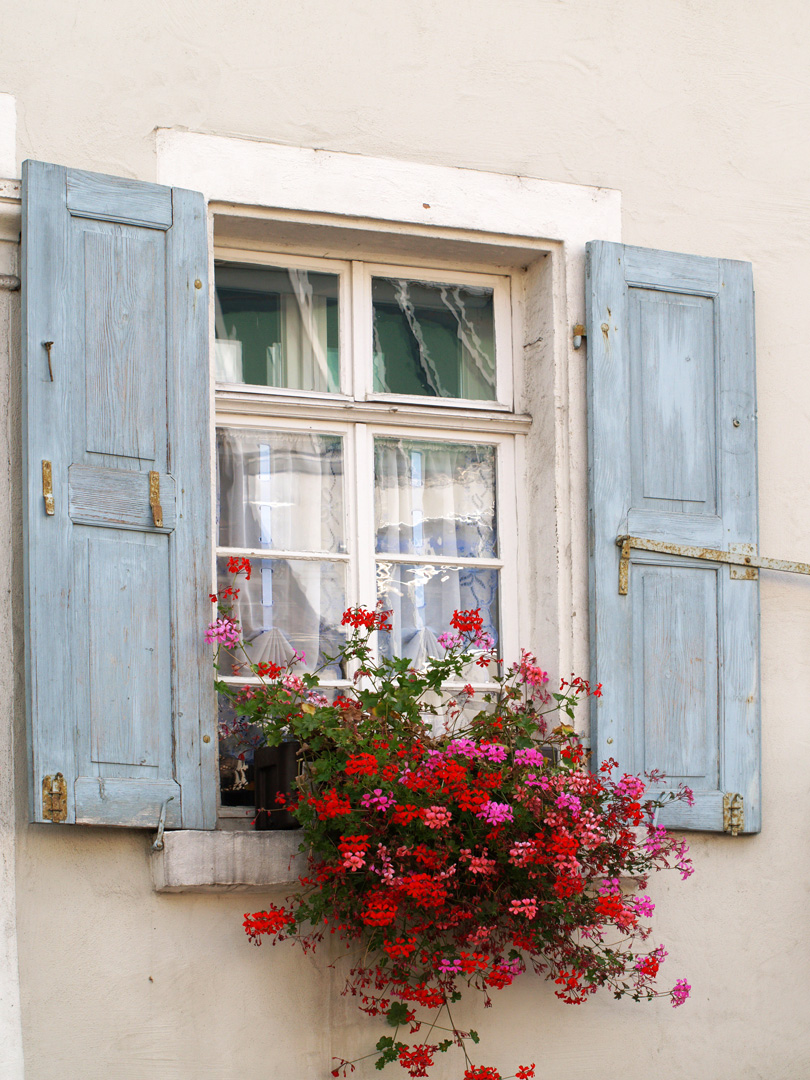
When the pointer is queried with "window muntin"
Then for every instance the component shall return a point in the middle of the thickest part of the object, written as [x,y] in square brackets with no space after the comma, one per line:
[433,338]
[277,326]
[454,548]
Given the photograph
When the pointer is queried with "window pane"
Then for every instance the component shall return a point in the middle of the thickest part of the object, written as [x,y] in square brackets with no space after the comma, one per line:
[423,599]
[280,490]
[433,340]
[289,605]
[434,498]
[277,327]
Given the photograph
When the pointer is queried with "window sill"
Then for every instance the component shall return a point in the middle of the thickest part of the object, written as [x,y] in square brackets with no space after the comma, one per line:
[218,861]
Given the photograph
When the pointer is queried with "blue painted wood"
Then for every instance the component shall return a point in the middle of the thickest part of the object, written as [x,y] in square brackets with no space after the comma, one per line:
[114,274]
[672,455]
[112,198]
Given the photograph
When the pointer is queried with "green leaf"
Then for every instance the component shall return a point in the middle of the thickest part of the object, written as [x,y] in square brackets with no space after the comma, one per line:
[475,1037]
[397,1014]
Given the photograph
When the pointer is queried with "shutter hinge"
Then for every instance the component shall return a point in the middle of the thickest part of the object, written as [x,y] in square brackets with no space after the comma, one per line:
[738,555]
[54,797]
[733,813]
[154,499]
[47,488]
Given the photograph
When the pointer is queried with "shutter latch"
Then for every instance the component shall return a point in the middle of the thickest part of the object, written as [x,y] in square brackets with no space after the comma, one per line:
[154,499]
[157,844]
[735,559]
[54,797]
[733,814]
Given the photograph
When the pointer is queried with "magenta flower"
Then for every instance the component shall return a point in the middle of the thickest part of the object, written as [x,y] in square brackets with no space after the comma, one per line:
[223,632]
[680,992]
[495,813]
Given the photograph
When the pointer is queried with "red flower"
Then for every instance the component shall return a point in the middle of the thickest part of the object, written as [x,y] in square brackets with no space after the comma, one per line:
[467,622]
[525,1072]
[271,921]
[268,669]
[361,617]
[361,765]
[237,566]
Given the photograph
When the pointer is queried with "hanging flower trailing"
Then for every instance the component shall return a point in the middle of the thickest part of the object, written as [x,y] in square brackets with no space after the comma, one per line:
[460,859]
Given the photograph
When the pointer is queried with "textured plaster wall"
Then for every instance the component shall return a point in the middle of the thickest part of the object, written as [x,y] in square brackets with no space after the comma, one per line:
[697,112]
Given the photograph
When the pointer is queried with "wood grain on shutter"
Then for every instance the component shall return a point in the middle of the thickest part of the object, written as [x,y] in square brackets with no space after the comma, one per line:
[117,607]
[672,456]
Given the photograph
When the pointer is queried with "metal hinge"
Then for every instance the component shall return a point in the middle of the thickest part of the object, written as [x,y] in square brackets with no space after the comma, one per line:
[744,556]
[733,813]
[154,499]
[54,797]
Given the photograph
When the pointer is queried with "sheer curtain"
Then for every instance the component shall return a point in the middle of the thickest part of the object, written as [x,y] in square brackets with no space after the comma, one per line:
[434,499]
[283,492]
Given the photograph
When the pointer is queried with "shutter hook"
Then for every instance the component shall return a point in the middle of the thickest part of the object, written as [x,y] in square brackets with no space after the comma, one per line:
[48,346]
[158,841]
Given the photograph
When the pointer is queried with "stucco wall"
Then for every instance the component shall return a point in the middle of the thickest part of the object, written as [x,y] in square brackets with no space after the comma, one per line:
[698,114]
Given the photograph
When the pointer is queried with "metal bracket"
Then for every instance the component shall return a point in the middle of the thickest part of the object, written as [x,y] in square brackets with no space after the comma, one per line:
[47,488]
[157,845]
[154,499]
[737,556]
[54,797]
[733,813]
[578,333]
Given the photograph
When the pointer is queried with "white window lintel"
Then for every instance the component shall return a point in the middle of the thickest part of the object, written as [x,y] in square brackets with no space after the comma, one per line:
[255,173]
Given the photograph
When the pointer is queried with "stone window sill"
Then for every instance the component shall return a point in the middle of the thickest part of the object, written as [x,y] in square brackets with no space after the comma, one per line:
[218,861]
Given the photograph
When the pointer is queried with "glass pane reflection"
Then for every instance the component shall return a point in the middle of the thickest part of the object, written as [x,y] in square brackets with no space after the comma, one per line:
[422,600]
[288,606]
[277,327]
[433,340]
[435,498]
[280,490]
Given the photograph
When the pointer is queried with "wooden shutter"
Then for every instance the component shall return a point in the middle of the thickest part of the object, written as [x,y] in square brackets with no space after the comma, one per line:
[116,388]
[672,432]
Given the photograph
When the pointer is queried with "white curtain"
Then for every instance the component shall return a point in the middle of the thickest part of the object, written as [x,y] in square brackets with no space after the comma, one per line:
[283,491]
[434,499]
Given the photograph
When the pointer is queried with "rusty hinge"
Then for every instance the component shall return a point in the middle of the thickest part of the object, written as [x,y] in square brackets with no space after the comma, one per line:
[733,813]
[738,556]
[578,333]
[54,797]
[154,499]
[47,488]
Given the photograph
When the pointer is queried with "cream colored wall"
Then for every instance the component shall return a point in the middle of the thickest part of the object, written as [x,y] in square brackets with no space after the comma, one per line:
[697,112]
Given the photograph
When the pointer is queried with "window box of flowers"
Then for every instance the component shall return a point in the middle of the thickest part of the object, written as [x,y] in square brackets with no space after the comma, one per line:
[460,838]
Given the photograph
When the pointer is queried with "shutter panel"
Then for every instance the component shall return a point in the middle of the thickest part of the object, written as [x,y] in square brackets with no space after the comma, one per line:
[672,434]
[118,676]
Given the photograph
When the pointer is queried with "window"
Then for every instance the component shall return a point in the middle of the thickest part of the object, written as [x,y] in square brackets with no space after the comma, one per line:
[356,461]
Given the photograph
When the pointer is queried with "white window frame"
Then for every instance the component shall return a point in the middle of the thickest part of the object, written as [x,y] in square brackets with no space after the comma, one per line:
[499,220]
[356,374]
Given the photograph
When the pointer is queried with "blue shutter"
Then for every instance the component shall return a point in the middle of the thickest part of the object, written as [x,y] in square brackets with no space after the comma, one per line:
[118,677]
[672,434]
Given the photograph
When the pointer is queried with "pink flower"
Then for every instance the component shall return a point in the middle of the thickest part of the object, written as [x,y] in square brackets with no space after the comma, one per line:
[437,817]
[492,752]
[527,908]
[680,992]
[643,906]
[495,813]
[610,887]
[223,632]
[529,756]
[376,800]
